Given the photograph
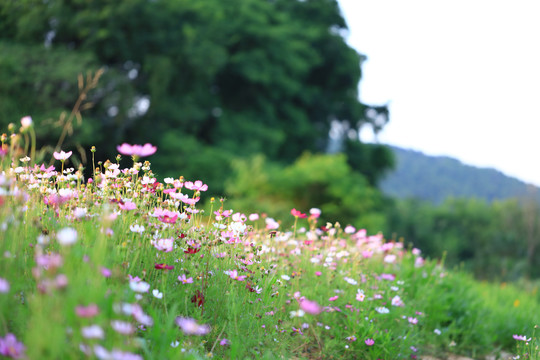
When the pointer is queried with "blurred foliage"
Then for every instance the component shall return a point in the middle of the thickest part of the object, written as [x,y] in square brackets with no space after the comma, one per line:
[500,240]
[326,182]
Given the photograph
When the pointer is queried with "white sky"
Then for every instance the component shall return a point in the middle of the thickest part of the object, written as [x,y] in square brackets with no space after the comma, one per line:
[461,77]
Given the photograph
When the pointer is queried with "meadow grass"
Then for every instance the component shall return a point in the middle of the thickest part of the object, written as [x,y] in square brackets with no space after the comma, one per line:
[123,266]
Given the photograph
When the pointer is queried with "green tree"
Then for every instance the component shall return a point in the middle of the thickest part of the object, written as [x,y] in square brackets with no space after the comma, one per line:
[242,78]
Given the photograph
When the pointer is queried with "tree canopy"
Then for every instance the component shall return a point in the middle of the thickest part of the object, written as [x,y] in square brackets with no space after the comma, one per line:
[204,80]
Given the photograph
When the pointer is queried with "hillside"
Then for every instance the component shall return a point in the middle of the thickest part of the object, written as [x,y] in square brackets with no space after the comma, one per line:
[436,178]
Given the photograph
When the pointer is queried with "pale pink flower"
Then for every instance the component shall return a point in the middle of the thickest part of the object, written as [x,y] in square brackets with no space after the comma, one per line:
[396,301]
[165,245]
[4,286]
[190,326]
[87,311]
[136,150]
[62,156]
[253,217]
[26,121]
[93,332]
[521,338]
[197,186]
[360,296]
[128,205]
[122,327]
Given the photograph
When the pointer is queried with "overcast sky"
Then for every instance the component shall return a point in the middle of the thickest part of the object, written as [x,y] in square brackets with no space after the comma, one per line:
[461,77]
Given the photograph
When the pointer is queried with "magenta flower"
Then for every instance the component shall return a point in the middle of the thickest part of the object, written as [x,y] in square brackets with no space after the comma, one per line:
[333,298]
[62,156]
[182,278]
[197,186]
[136,150]
[224,342]
[298,214]
[163,267]
[311,307]
[190,326]
[105,272]
[369,342]
[10,347]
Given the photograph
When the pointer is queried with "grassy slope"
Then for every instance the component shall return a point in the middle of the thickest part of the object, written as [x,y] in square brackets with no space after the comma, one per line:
[366,289]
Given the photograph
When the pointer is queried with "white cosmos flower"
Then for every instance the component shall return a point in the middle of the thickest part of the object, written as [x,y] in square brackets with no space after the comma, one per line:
[139,286]
[157,294]
[93,332]
[136,228]
[67,236]
[298,313]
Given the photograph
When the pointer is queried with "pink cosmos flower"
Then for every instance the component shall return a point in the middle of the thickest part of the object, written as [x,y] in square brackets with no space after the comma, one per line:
[297,213]
[224,342]
[136,150]
[128,205]
[165,216]
[10,347]
[182,278]
[122,327]
[105,272]
[311,307]
[234,275]
[360,296]
[369,342]
[333,298]
[4,286]
[165,245]
[62,156]
[190,326]
[253,217]
[521,338]
[197,186]
[396,301]
[87,311]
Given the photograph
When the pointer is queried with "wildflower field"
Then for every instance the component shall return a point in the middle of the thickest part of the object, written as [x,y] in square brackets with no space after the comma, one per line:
[125,265]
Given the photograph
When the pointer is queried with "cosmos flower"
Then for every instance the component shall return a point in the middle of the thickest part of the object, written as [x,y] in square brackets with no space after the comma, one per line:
[62,156]
[136,150]
[190,327]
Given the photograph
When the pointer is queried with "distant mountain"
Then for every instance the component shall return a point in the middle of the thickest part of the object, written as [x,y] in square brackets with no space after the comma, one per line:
[436,178]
